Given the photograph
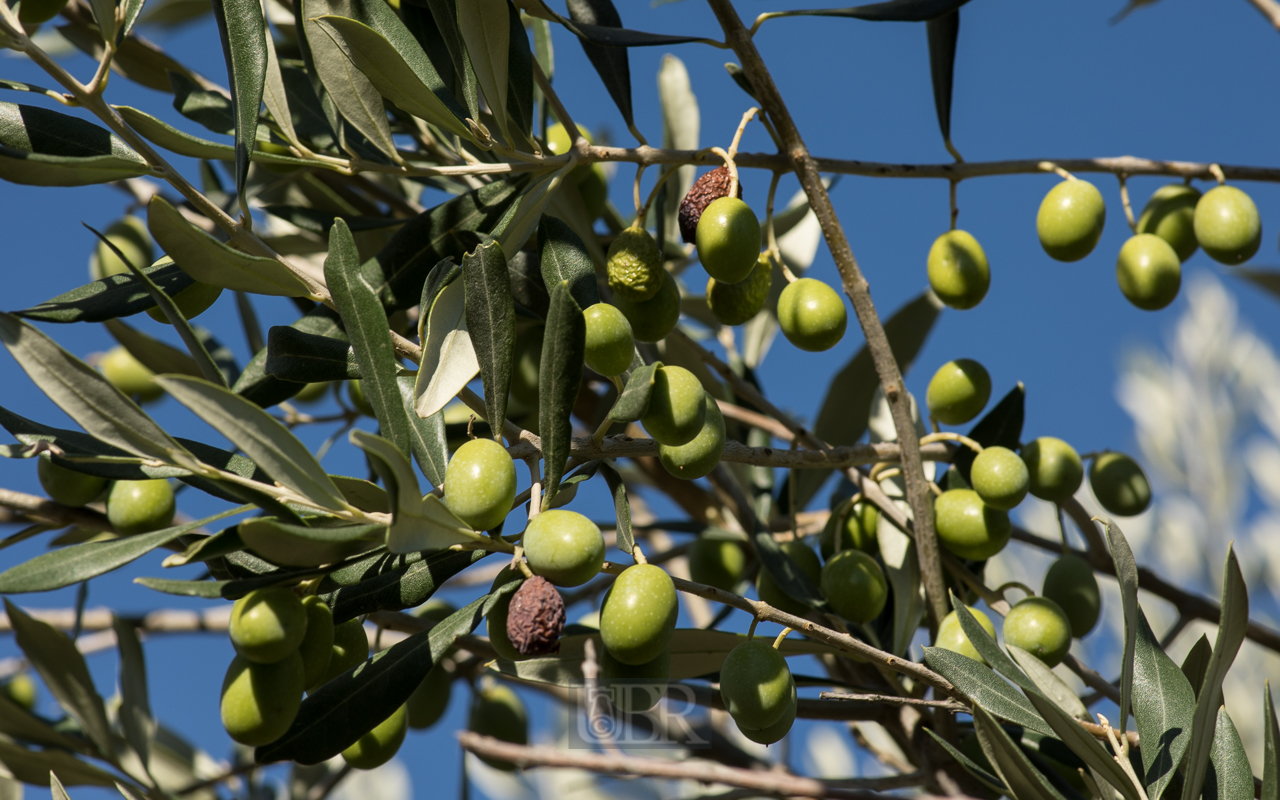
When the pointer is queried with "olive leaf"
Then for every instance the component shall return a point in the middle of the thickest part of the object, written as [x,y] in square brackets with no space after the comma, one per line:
[275,96]
[681,129]
[985,689]
[135,708]
[402,585]
[490,314]
[1196,663]
[282,542]
[449,359]
[427,439]
[484,27]
[1025,782]
[890,11]
[992,782]
[256,384]
[519,76]
[559,378]
[1163,709]
[243,31]
[1127,575]
[1083,744]
[1271,740]
[157,356]
[621,506]
[299,356]
[443,32]
[112,297]
[1229,775]
[633,400]
[35,766]
[612,63]
[164,135]
[785,572]
[942,32]
[39,147]
[563,258]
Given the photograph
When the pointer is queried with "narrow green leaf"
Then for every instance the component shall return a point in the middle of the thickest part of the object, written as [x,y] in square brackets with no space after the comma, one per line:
[633,402]
[1231,631]
[449,359]
[1229,777]
[260,436]
[135,708]
[902,568]
[992,782]
[785,572]
[276,97]
[19,723]
[427,437]
[58,568]
[560,376]
[486,32]
[39,147]
[208,547]
[681,130]
[1127,575]
[199,103]
[491,322]
[257,385]
[159,357]
[1163,707]
[1271,740]
[984,688]
[110,298]
[282,542]
[87,397]
[404,587]
[210,261]
[988,649]
[65,673]
[611,63]
[55,787]
[1024,781]
[621,506]
[437,28]
[338,713]
[842,418]
[519,77]
[1001,426]
[35,766]
[1049,684]
[1196,664]
[1083,744]
[296,355]
[891,11]
[170,138]
[609,36]
[564,258]
[366,323]
[942,32]
[362,494]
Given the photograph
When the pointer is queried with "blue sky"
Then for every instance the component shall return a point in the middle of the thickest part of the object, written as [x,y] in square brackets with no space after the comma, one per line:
[1033,80]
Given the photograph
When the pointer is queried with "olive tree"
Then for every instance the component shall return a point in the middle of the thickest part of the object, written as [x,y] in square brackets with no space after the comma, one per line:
[527,324]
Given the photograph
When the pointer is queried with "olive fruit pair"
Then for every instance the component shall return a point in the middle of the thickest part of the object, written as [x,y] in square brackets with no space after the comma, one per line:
[67,486]
[958,270]
[811,315]
[677,409]
[651,320]
[699,456]
[639,614]
[958,391]
[1119,484]
[1054,468]
[969,527]
[951,635]
[480,484]
[768,590]
[854,585]
[758,691]
[728,239]
[721,563]
[260,701]
[1071,219]
[564,547]
[610,344]
[736,303]
[498,712]
[135,507]
[852,526]
[1039,626]
[129,375]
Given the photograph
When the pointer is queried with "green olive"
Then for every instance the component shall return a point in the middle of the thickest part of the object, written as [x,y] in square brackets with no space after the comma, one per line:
[756,684]
[430,700]
[634,265]
[317,645]
[135,507]
[677,406]
[480,484]
[811,315]
[857,530]
[610,344]
[268,624]
[1119,484]
[651,320]
[697,458]
[773,733]
[1055,469]
[593,185]
[350,649]
[498,712]
[259,701]
[1227,225]
[768,590]
[496,619]
[736,303]
[635,688]
[525,365]
[717,562]
[67,486]
[191,301]
[1070,220]
[20,690]
[131,237]
[355,393]
[969,527]
[728,239]
[639,614]
[1148,271]
[35,12]
[854,585]
[1071,584]
[958,270]
[1170,214]
[129,376]
[379,745]
[1039,626]
[1000,478]
[958,391]
[564,547]
[951,635]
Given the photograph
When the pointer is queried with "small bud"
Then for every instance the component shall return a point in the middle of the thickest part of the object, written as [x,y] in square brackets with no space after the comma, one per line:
[536,618]
[711,186]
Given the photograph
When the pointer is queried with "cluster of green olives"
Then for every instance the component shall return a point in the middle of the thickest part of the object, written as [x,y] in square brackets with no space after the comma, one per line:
[285,646]
[133,507]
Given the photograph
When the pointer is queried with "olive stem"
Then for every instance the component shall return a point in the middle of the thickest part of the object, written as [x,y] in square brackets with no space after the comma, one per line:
[1049,166]
[597,438]
[535,487]
[517,561]
[1124,201]
[751,631]
[951,436]
[771,238]
[733,170]
[777,643]
[1007,585]
[955,209]
[737,135]
[1216,172]
[638,554]
[635,194]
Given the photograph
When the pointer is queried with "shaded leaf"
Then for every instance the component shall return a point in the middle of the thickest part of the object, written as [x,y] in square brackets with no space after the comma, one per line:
[19,723]
[35,766]
[621,507]
[394,589]
[563,257]
[276,97]
[1127,575]
[842,418]
[135,708]
[891,11]
[427,437]
[110,298]
[1163,708]
[338,713]
[519,76]
[1271,740]
[633,401]
[984,688]
[991,781]
[484,27]
[612,63]
[39,147]
[282,542]
[449,359]
[299,356]
[608,36]
[243,31]
[257,385]
[1230,776]
[1083,744]
[942,33]
[1196,664]
[491,323]
[785,572]
[1018,773]
[560,376]
[1001,426]
[366,324]
[170,138]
